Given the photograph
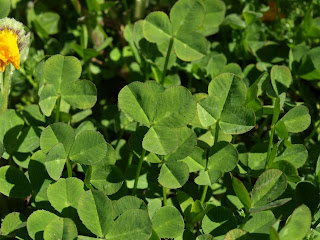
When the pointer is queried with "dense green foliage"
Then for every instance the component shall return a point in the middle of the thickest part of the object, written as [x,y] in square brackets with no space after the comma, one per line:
[137,120]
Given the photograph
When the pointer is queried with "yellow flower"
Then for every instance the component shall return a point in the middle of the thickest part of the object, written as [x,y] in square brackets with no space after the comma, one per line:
[9,50]
[14,43]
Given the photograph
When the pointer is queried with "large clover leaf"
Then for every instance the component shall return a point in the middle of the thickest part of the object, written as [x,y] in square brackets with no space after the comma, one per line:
[61,76]
[225,103]
[186,19]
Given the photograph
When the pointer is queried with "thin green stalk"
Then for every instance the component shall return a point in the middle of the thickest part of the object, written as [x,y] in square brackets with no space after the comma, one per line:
[69,167]
[119,138]
[204,194]
[129,161]
[139,9]
[130,154]
[77,6]
[155,74]
[136,180]
[1,81]
[164,192]
[57,118]
[216,139]
[268,164]
[6,86]
[216,135]
[275,117]
[166,61]
[88,178]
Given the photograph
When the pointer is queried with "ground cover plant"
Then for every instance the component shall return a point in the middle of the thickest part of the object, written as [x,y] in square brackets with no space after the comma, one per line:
[188,119]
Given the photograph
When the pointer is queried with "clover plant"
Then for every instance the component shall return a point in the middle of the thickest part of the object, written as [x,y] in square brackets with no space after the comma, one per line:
[177,119]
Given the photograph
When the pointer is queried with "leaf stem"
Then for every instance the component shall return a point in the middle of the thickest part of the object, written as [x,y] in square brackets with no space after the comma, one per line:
[136,180]
[69,167]
[166,61]
[129,161]
[88,178]
[204,194]
[268,163]
[119,137]
[216,134]
[77,6]
[275,117]
[164,192]
[139,9]
[5,88]
[57,118]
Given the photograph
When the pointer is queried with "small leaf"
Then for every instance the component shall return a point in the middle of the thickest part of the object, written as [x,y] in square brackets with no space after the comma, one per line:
[48,98]
[58,69]
[10,120]
[270,205]
[37,223]
[96,212]
[237,234]
[215,11]
[297,119]
[173,174]
[82,94]
[218,221]
[12,222]
[160,140]
[281,130]
[5,8]
[168,222]
[237,120]
[176,108]
[157,27]
[205,237]
[55,161]
[89,148]
[297,155]
[187,142]
[126,203]
[260,223]
[280,78]
[241,192]
[137,101]
[28,140]
[64,195]
[269,186]
[106,178]
[297,225]
[190,46]
[288,169]
[229,88]
[57,133]
[186,16]
[131,225]
[196,161]
[13,182]
[223,156]
[60,228]
[208,177]
[61,77]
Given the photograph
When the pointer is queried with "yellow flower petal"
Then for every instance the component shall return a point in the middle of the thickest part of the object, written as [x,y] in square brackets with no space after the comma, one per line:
[9,50]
